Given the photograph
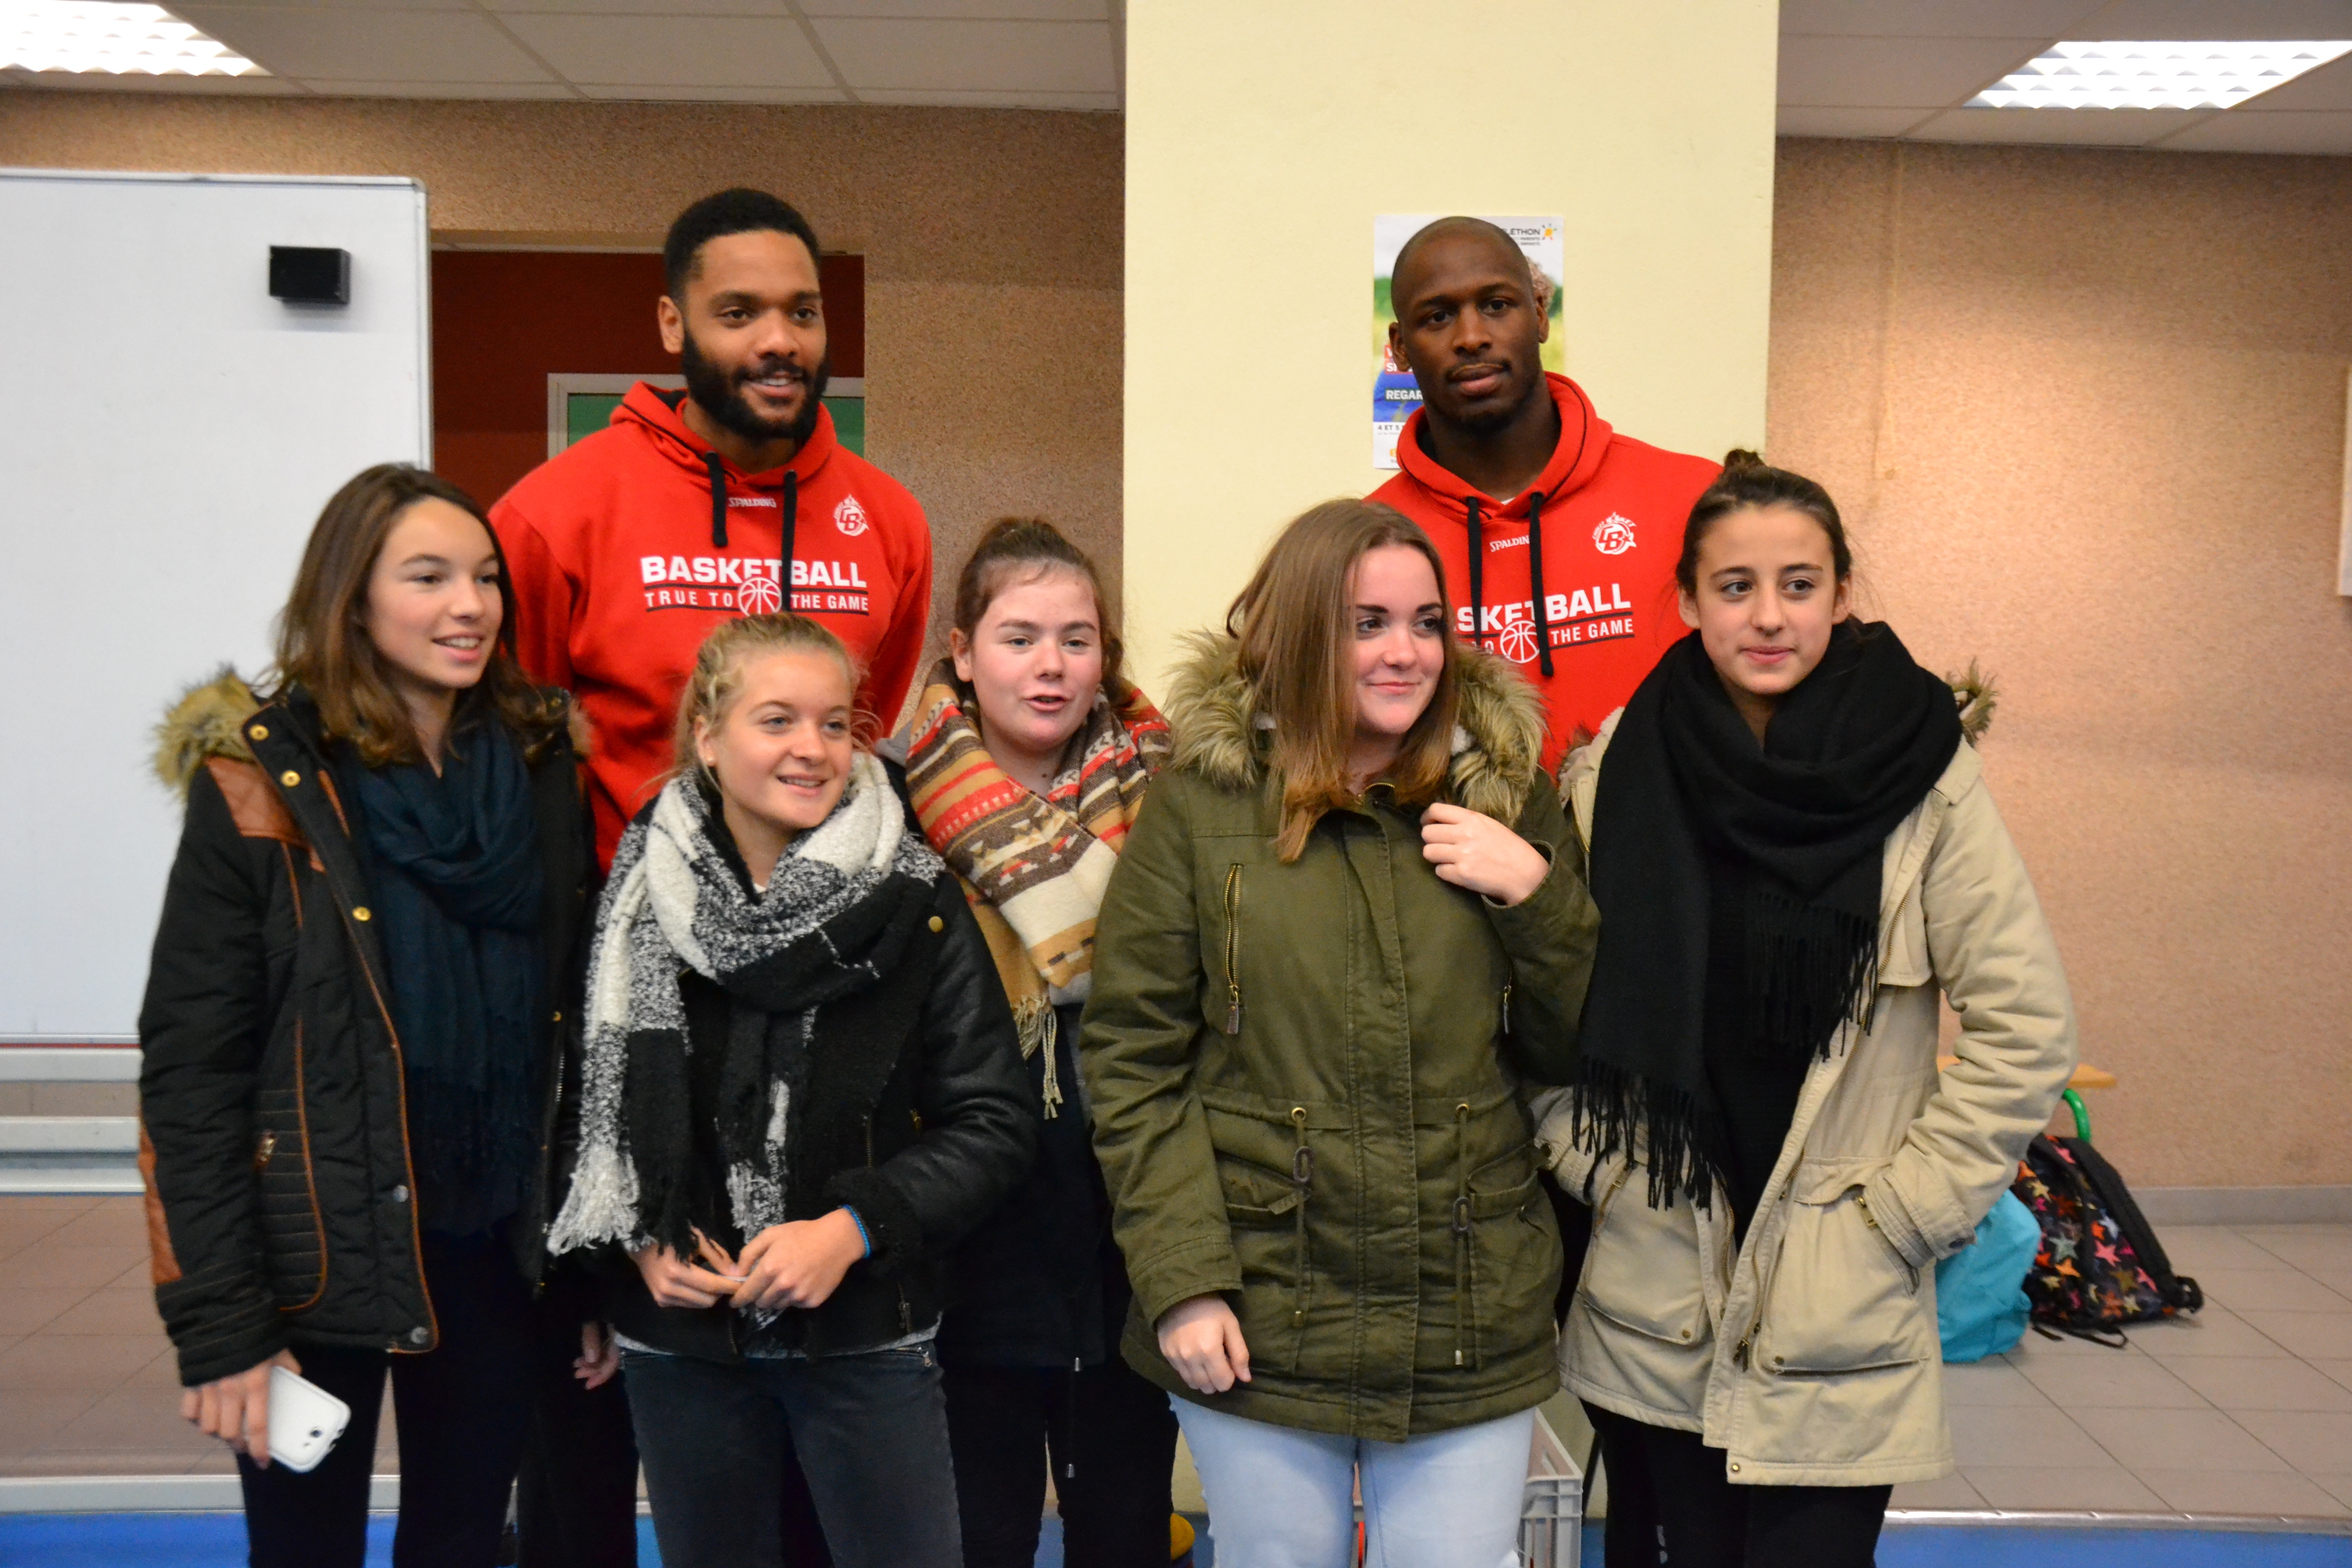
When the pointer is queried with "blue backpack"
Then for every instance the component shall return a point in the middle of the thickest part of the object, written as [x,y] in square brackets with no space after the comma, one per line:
[1981,1305]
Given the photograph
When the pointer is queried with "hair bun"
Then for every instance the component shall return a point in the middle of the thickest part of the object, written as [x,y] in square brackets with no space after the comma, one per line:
[1741,458]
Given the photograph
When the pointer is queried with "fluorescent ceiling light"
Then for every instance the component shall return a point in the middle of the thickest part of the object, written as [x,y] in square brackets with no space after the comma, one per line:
[2119,75]
[91,35]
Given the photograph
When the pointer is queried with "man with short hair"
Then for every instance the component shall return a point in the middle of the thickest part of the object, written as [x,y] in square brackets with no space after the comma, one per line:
[1559,536]
[730,498]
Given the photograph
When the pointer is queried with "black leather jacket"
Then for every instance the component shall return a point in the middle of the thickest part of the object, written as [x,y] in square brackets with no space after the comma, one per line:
[921,1135]
[274,1129]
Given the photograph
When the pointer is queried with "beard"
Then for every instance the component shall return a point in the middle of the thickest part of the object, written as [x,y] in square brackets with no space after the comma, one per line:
[721,395]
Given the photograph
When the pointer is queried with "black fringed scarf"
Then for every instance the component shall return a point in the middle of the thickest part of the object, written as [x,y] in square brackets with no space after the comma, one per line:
[1804,819]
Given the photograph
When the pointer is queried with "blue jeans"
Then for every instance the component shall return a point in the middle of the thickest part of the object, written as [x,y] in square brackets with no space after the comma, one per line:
[870,1430]
[1282,1498]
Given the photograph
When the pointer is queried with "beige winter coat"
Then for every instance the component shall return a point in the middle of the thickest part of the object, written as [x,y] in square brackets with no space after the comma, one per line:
[1811,1354]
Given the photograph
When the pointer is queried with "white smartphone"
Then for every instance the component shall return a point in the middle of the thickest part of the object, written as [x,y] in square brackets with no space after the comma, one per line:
[304,1421]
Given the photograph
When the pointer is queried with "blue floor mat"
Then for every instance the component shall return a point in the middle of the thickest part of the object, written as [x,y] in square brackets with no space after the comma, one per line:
[217,1540]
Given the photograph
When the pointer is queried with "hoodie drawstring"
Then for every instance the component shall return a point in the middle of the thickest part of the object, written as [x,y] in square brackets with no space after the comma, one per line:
[790,505]
[717,500]
[1535,578]
[1477,572]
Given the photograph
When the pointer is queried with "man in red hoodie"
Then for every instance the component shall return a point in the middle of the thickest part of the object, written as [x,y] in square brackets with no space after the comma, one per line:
[730,498]
[1558,535]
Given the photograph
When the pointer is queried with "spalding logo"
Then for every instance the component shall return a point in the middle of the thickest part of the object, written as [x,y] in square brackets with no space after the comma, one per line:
[849,517]
[1615,534]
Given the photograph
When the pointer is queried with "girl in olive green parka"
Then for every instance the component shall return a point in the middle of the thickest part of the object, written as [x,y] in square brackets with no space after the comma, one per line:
[1325,969]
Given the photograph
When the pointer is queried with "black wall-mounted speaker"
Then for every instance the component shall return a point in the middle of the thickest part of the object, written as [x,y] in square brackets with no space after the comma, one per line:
[309,275]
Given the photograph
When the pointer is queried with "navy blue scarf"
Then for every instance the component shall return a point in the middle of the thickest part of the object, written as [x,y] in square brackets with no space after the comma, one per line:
[458,875]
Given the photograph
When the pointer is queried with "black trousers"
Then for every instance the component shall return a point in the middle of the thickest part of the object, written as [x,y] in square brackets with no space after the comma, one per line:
[1112,1441]
[576,1500]
[1670,1502]
[868,1430]
[462,1408]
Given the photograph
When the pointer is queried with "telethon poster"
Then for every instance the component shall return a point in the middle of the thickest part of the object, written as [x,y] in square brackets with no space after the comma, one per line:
[1394,394]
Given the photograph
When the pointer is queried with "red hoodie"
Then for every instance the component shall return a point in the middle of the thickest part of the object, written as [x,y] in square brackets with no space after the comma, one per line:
[1608,514]
[630,546]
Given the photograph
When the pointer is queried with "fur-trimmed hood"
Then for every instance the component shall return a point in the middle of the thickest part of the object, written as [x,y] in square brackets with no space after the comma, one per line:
[206,720]
[1498,734]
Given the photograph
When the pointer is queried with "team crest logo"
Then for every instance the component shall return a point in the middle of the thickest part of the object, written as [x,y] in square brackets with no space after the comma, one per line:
[759,596]
[1615,534]
[1517,642]
[849,517]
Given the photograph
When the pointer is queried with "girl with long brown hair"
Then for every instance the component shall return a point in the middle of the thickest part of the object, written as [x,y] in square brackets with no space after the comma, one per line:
[351,1028]
[1348,926]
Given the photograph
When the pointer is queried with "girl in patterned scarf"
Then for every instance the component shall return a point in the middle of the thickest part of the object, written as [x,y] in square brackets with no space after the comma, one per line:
[1028,760]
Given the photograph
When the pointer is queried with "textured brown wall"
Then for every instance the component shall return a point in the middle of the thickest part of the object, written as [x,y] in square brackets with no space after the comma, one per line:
[2086,412]
[991,241]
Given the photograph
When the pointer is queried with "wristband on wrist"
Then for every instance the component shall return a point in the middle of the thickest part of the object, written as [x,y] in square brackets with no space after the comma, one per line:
[862,1235]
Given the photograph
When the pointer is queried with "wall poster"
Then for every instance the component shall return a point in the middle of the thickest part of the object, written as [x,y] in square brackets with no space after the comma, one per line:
[1394,394]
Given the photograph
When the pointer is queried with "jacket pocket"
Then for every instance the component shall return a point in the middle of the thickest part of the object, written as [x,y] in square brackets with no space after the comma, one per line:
[294,1242]
[1642,1268]
[1842,1299]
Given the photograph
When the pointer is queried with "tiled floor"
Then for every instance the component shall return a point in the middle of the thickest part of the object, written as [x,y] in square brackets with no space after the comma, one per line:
[2246,1408]
[88,1385]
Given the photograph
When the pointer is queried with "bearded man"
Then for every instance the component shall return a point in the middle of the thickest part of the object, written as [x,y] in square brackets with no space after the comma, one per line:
[729,498]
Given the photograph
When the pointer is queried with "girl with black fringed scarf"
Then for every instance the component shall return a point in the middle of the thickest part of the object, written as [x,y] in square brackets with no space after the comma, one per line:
[1793,853]
[350,1029]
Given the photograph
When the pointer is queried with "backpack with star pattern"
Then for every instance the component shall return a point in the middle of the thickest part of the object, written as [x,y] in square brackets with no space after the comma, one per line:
[2099,1265]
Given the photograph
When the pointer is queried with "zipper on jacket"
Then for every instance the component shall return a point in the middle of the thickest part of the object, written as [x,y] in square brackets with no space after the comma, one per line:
[1302,1179]
[1507,1009]
[906,1307]
[1465,1279]
[1234,954]
[263,1150]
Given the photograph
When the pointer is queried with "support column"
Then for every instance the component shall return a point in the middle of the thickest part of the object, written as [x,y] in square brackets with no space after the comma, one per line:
[1263,136]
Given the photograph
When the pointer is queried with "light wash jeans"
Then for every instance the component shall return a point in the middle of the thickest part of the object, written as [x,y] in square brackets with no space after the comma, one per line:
[1281,1498]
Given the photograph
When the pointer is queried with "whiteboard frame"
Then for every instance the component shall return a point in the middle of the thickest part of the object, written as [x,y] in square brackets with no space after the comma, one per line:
[423,303]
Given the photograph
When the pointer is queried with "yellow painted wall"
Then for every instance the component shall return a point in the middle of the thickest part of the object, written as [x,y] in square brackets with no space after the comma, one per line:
[1261,139]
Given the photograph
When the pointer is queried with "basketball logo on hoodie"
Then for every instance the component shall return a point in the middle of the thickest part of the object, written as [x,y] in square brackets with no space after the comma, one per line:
[1615,534]
[760,595]
[849,517]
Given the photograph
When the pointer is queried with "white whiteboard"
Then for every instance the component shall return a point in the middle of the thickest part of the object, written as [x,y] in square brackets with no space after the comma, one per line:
[168,432]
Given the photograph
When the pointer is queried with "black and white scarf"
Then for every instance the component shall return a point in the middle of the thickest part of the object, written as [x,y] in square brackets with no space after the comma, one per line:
[839,910]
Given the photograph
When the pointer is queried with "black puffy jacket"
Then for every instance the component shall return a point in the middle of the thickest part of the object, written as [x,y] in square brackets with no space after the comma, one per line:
[922,1134]
[274,1133]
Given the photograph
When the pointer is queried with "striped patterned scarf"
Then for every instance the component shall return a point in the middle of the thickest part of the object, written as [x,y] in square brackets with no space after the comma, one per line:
[1033,868]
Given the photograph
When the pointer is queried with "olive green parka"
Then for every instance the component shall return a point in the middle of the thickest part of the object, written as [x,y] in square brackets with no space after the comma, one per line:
[1306,1078]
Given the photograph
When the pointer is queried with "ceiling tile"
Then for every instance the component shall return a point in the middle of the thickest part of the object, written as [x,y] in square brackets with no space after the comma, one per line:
[2217,19]
[984,56]
[675,51]
[2057,127]
[2250,131]
[1894,73]
[945,98]
[965,10]
[466,90]
[1815,122]
[368,46]
[642,8]
[656,92]
[1934,18]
